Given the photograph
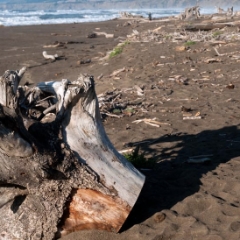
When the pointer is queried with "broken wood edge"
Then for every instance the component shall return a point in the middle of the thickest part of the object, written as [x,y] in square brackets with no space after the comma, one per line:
[83,133]
[111,166]
[90,209]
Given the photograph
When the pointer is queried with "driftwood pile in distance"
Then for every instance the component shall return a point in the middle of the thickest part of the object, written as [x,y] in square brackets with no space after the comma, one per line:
[206,29]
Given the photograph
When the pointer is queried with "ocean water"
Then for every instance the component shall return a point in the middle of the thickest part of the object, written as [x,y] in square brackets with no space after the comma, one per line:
[17,18]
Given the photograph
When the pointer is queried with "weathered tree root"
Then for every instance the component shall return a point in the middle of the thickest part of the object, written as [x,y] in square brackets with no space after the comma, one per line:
[58,170]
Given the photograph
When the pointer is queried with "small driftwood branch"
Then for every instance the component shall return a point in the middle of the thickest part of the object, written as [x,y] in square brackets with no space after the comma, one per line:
[219,54]
[192,117]
[48,56]
[107,35]
[200,158]
[151,122]
[116,72]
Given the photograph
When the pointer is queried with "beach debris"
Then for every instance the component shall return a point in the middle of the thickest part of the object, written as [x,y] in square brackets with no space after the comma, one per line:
[116,72]
[55,45]
[128,111]
[48,56]
[237,57]
[125,15]
[139,90]
[187,114]
[230,86]
[201,31]
[229,11]
[126,150]
[191,117]
[179,79]
[153,122]
[200,159]
[58,74]
[184,109]
[134,23]
[213,25]
[157,30]
[119,102]
[212,60]
[58,44]
[100,76]
[84,61]
[218,54]
[107,35]
[180,48]
[92,35]
[220,10]
[112,114]
[61,34]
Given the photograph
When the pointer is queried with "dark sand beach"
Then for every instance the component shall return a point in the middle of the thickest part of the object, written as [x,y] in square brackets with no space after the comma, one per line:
[193,189]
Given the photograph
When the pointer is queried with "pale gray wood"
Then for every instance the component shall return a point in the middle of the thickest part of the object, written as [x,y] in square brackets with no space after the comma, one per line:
[56,168]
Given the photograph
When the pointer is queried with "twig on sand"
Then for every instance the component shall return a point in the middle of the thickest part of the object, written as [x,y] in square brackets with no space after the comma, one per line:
[111,115]
[151,122]
[48,56]
[192,117]
[107,35]
[219,54]
[200,158]
[126,150]
[116,72]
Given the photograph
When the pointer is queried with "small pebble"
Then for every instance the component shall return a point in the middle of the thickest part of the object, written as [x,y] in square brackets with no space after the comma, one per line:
[159,217]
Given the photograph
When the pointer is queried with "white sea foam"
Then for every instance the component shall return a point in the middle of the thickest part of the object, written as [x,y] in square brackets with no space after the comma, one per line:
[16,18]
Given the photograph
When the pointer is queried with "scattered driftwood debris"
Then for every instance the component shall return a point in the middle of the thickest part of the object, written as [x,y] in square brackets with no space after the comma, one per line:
[58,44]
[205,31]
[123,102]
[59,172]
[206,26]
[152,122]
[229,11]
[84,61]
[217,27]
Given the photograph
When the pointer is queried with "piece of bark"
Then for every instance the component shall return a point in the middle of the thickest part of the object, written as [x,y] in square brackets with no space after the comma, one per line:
[62,174]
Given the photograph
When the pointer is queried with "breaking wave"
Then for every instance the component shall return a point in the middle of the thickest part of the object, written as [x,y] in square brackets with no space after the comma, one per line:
[17,18]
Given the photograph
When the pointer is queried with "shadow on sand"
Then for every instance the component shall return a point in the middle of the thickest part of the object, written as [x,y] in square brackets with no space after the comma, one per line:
[173,178]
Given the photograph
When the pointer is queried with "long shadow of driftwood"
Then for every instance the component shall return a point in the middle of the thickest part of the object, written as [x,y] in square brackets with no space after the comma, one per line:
[173,178]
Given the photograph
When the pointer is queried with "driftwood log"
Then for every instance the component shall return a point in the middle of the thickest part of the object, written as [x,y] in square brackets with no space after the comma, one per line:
[207,26]
[59,171]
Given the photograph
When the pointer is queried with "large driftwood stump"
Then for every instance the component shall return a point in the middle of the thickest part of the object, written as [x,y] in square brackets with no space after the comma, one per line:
[190,13]
[58,170]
